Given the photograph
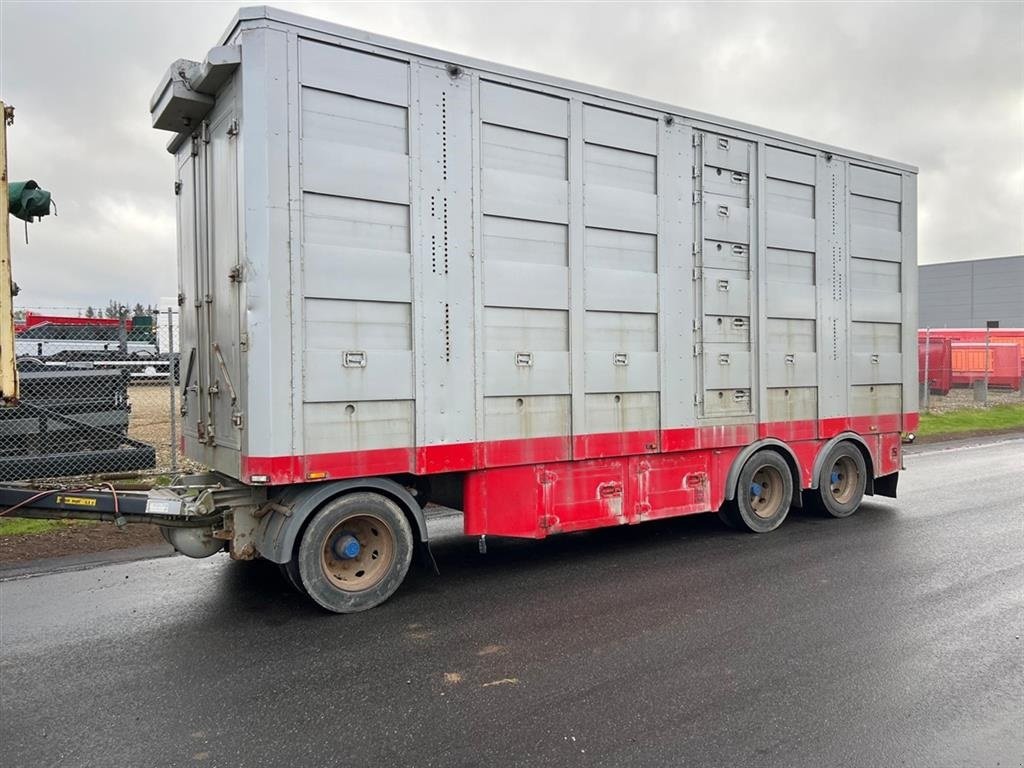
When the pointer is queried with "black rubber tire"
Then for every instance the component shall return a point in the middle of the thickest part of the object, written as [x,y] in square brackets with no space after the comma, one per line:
[823,500]
[740,512]
[324,523]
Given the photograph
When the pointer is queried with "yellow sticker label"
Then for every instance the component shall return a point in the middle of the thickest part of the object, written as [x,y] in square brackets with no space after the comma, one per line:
[76,501]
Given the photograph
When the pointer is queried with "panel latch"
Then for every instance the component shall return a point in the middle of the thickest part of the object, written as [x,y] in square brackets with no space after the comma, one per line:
[353,359]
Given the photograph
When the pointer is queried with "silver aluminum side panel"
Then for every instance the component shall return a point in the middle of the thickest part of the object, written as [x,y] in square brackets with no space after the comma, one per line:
[446,256]
[271,280]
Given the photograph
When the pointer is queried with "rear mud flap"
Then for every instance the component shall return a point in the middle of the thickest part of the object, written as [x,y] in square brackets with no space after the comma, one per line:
[886,485]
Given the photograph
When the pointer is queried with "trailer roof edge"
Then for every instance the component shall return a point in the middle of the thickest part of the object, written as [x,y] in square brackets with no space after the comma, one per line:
[269,13]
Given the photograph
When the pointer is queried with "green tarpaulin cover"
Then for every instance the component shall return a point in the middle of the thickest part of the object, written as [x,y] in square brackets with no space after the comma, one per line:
[27,200]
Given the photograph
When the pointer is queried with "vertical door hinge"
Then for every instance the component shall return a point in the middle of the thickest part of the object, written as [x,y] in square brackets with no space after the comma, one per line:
[235,274]
[243,342]
[177,188]
[233,127]
[698,349]
[181,299]
[697,195]
[697,274]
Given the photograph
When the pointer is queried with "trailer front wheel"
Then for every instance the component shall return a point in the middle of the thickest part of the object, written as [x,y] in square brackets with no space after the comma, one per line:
[764,492]
[355,552]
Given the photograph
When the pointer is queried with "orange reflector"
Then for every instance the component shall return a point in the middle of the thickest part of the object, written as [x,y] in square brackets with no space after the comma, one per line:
[316,475]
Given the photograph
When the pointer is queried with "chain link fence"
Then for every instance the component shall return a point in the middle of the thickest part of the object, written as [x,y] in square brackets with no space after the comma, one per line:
[98,396]
[969,368]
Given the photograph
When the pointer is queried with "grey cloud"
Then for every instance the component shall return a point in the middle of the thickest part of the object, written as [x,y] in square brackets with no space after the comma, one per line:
[937,85]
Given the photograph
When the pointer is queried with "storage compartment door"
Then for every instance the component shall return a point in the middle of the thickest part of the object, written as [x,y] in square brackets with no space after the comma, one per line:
[210,282]
[225,280]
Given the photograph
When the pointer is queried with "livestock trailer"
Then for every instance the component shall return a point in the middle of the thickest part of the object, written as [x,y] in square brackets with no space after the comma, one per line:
[409,276]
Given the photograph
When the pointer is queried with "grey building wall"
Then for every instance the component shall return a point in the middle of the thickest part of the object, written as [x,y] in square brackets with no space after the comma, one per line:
[967,294]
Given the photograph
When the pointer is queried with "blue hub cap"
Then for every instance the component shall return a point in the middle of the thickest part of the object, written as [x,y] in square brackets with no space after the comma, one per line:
[756,489]
[346,546]
[835,477]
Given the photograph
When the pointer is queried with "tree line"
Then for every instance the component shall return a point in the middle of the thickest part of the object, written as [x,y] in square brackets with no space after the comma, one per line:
[115,309]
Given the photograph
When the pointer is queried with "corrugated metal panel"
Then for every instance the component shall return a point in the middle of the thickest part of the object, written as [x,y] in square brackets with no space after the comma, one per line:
[968,294]
[342,70]
[622,412]
[507,418]
[524,109]
[791,404]
[357,329]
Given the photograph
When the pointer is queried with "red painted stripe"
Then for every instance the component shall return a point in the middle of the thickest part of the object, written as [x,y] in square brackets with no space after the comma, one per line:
[459,457]
[696,438]
[615,444]
[804,429]
[382,461]
[535,450]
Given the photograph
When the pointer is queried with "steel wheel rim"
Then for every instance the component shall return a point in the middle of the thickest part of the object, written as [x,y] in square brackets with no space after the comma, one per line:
[843,479]
[766,487]
[375,557]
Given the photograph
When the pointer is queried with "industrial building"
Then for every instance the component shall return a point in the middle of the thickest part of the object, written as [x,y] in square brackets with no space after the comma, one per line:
[972,294]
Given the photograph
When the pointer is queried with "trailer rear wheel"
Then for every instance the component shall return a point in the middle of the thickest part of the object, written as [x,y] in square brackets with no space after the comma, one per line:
[842,481]
[764,492]
[355,552]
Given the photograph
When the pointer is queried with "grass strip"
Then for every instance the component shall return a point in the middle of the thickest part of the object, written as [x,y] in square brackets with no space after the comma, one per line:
[998,417]
[22,526]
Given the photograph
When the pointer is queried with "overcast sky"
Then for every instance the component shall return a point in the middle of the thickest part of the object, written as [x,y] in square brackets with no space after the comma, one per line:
[937,85]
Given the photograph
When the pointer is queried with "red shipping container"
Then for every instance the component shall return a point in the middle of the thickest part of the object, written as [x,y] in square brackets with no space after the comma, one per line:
[939,364]
[977,336]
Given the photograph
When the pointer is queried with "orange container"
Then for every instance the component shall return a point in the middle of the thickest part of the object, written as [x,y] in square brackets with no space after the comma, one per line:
[1002,364]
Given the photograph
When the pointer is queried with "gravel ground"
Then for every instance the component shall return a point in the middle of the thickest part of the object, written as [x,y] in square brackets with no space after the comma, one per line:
[150,419]
[963,397]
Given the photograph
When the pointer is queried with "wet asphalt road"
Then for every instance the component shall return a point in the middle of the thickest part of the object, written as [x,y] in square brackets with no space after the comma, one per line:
[892,638]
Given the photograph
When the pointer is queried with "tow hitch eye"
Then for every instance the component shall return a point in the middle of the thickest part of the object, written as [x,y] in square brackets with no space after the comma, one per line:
[346,547]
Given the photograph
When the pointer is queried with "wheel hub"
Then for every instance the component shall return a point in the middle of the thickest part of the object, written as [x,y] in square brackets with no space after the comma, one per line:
[766,489]
[843,479]
[358,553]
[346,546]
